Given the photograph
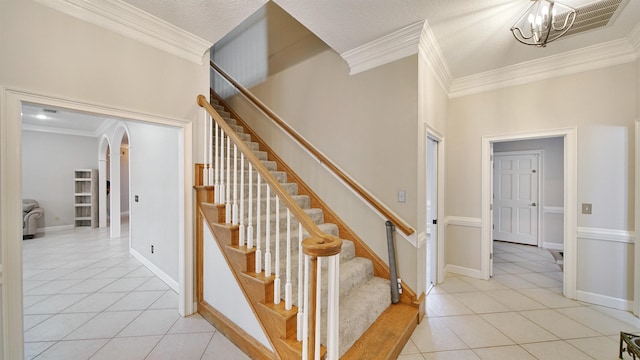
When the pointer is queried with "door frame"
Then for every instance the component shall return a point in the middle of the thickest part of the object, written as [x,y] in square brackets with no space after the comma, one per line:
[440,172]
[540,201]
[569,136]
[11,101]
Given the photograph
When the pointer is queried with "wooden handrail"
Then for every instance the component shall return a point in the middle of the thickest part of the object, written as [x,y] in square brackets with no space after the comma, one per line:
[381,208]
[318,243]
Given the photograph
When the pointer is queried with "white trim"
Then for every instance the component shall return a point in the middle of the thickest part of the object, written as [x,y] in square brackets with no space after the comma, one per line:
[11,101]
[603,300]
[570,200]
[464,271]
[50,229]
[127,20]
[636,257]
[429,49]
[389,48]
[422,240]
[155,270]
[463,221]
[553,209]
[589,58]
[553,246]
[600,234]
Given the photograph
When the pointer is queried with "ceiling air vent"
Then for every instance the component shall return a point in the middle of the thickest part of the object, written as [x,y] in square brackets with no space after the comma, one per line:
[595,15]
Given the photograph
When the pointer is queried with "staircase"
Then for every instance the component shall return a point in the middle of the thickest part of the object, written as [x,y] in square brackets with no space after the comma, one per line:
[369,325]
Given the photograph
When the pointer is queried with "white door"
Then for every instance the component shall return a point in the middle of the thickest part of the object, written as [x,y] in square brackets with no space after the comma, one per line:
[432,211]
[515,184]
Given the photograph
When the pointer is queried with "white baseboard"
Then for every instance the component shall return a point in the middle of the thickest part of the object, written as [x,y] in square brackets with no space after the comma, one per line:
[155,270]
[50,229]
[604,300]
[465,271]
[553,246]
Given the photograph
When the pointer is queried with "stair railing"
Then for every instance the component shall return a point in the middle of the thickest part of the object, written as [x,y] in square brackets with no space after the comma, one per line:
[364,194]
[221,170]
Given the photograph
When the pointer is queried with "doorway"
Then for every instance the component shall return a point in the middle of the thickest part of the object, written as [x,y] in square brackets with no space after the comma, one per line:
[12,100]
[566,210]
[432,213]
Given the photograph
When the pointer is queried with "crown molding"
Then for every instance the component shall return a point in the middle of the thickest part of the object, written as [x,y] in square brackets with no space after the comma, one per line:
[127,20]
[57,130]
[429,50]
[389,48]
[106,123]
[589,58]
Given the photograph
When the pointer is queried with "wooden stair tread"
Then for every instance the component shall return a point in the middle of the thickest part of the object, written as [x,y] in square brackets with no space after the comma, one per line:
[386,338]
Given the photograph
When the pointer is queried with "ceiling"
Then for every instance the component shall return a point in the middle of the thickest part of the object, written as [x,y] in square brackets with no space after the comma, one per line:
[473,35]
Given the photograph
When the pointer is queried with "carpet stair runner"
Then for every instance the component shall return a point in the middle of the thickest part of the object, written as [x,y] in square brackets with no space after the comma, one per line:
[365,305]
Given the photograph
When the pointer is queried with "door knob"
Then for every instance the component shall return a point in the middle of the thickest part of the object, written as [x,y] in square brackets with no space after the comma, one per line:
[533,204]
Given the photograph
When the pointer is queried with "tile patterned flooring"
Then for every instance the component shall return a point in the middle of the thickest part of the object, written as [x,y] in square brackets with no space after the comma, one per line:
[519,314]
[85,297]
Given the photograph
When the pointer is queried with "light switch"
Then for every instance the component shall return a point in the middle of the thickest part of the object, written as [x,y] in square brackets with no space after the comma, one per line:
[586,209]
[402,196]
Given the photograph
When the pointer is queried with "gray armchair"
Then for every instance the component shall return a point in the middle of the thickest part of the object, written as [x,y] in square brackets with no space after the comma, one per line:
[31,212]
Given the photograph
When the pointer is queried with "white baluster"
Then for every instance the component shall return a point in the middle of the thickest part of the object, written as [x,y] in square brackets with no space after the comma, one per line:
[205,168]
[250,215]
[276,281]
[258,229]
[210,149]
[288,289]
[223,186]
[216,172]
[227,207]
[305,317]
[318,308]
[267,235]
[301,286]
[234,207]
[333,293]
[241,212]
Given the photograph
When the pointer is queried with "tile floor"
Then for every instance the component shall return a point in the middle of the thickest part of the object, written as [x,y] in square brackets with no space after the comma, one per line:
[85,297]
[519,314]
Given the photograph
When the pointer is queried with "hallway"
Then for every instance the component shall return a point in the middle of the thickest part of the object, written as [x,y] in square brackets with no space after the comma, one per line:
[85,297]
[519,314]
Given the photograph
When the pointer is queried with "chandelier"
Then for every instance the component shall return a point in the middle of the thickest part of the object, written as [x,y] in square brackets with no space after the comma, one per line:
[543,22]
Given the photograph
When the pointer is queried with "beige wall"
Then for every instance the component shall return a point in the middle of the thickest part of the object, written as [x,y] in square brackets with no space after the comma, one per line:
[365,123]
[602,105]
[45,52]
[49,52]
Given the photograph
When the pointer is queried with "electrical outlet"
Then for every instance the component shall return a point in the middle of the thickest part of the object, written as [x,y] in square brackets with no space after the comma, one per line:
[136,198]
[152,249]
[586,209]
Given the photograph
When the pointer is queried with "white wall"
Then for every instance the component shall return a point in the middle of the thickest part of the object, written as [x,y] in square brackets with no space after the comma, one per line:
[48,164]
[552,183]
[602,105]
[154,172]
[50,55]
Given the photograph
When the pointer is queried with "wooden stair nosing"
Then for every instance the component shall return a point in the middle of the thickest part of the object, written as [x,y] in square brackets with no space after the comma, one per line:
[386,338]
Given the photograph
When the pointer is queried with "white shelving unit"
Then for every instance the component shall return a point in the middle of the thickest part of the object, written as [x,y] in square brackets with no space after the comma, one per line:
[86,197]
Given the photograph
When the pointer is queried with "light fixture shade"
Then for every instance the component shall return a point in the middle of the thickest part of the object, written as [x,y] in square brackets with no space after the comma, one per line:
[543,22]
